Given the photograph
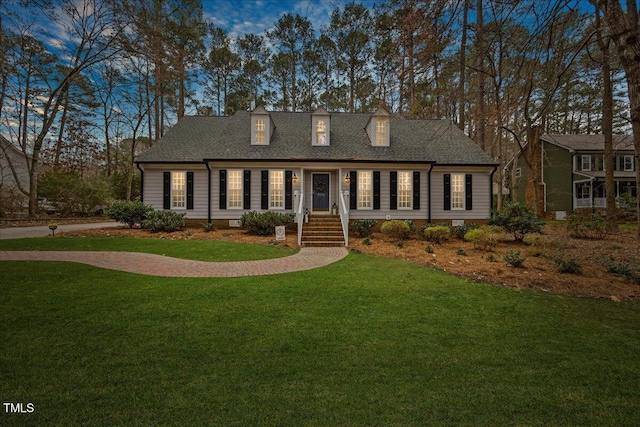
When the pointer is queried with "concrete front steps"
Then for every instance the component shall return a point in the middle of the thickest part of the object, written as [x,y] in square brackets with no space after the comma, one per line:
[322,231]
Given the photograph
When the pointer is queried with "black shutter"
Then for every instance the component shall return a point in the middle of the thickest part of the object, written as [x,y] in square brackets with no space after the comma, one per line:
[393,190]
[288,189]
[353,190]
[447,192]
[416,190]
[189,190]
[246,190]
[376,190]
[264,190]
[166,190]
[223,189]
[468,186]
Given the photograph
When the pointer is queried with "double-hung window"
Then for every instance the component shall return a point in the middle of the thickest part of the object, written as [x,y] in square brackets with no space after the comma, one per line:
[405,195]
[586,163]
[457,191]
[234,191]
[365,190]
[321,132]
[260,131]
[276,189]
[178,190]
[628,163]
[381,132]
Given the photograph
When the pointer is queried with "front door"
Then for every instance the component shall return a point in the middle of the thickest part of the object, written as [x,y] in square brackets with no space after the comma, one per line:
[320,191]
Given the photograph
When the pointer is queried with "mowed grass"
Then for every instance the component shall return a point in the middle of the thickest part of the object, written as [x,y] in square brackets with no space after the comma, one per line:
[366,341]
[199,250]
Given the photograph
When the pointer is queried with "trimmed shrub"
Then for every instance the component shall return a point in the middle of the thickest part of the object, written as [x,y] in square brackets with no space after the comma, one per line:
[624,268]
[567,265]
[437,233]
[130,213]
[363,227]
[518,219]
[265,223]
[396,228]
[461,230]
[584,224]
[514,258]
[484,239]
[168,221]
[207,227]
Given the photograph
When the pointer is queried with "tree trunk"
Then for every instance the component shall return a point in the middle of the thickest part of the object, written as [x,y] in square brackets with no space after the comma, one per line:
[463,60]
[480,135]
[624,30]
[607,125]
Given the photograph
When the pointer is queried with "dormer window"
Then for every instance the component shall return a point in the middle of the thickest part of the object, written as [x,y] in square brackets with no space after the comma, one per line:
[378,128]
[321,132]
[381,131]
[259,139]
[261,126]
[320,127]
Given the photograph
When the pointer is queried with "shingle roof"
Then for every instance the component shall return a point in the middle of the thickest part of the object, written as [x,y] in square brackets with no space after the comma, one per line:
[195,138]
[589,142]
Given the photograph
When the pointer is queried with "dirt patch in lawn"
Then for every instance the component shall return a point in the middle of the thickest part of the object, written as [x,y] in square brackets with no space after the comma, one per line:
[460,258]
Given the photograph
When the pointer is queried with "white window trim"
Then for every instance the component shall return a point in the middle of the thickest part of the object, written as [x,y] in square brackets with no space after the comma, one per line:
[383,135]
[365,208]
[241,189]
[624,163]
[410,207]
[271,207]
[464,192]
[265,131]
[173,207]
[582,163]
[518,172]
[317,132]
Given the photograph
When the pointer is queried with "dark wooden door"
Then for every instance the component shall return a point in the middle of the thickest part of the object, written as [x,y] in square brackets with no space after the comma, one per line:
[320,192]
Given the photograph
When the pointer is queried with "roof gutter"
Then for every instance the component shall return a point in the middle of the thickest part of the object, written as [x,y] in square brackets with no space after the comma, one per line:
[429,193]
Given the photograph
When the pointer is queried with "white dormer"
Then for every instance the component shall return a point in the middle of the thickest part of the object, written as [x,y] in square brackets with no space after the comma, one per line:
[378,128]
[261,126]
[320,127]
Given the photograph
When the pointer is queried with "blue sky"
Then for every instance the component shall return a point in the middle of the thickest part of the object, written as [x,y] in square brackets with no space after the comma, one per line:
[238,17]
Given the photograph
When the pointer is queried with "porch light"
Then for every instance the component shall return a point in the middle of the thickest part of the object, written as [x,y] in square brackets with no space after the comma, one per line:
[294,178]
[347,177]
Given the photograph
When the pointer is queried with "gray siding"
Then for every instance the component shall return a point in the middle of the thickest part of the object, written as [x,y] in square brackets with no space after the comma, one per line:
[481,194]
[153,192]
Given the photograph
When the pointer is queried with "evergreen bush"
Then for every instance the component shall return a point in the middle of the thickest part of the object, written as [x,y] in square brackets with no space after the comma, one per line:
[363,227]
[518,219]
[265,223]
[396,228]
[130,213]
[437,233]
[168,221]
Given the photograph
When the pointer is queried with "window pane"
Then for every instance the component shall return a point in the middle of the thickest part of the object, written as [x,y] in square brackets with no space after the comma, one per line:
[404,189]
[235,189]
[276,182]
[321,132]
[364,189]
[457,191]
[178,190]
[260,131]
[381,132]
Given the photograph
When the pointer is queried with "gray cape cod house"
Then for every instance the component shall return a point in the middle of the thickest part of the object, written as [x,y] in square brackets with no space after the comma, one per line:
[346,165]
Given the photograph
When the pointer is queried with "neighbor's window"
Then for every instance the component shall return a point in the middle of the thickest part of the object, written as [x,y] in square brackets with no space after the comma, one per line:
[276,189]
[234,192]
[586,163]
[457,191]
[404,189]
[321,132]
[628,163]
[518,172]
[178,190]
[260,131]
[381,132]
[365,190]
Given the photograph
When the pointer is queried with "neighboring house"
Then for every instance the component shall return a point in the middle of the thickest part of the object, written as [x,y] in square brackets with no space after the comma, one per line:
[11,198]
[572,171]
[365,166]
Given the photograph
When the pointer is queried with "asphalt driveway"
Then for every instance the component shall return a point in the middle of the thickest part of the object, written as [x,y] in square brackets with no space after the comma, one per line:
[43,230]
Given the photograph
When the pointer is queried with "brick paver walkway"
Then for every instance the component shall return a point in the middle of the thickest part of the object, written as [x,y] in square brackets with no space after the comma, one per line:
[158,265]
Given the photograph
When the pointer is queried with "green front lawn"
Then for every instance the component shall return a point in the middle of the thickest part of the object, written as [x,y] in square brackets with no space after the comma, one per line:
[199,250]
[366,341]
